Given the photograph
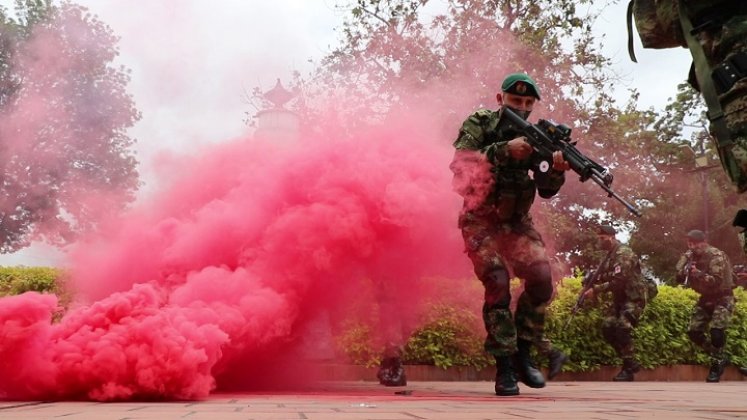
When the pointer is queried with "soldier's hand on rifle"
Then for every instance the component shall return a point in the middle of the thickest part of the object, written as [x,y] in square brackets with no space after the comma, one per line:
[519,149]
[558,162]
[696,274]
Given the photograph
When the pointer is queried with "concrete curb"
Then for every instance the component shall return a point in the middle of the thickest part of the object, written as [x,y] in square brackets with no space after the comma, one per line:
[697,373]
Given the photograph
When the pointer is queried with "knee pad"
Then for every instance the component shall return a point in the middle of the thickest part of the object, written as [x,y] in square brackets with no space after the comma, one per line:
[696,337]
[538,283]
[497,288]
[718,338]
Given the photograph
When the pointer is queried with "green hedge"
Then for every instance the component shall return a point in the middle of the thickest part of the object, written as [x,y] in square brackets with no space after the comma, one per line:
[452,336]
[660,338]
[17,280]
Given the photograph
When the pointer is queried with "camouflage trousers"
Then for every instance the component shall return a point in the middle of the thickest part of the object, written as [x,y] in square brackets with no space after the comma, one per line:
[518,249]
[710,314]
[618,325]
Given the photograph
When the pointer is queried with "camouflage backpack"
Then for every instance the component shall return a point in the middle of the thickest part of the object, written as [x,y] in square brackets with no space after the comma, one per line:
[657,22]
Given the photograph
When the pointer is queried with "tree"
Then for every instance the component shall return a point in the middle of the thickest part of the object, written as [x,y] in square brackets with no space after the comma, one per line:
[65,156]
[395,58]
[685,196]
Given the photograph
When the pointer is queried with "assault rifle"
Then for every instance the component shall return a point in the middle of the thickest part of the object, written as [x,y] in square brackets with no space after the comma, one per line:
[688,267]
[547,137]
[587,283]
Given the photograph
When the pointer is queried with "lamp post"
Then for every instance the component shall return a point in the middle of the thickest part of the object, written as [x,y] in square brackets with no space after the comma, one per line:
[702,165]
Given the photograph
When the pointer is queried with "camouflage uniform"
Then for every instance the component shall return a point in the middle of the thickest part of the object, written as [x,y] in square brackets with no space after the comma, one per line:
[721,28]
[621,275]
[499,234]
[714,308]
[722,43]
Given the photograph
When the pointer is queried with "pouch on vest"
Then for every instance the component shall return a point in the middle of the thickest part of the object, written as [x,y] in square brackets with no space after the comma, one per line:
[514,195]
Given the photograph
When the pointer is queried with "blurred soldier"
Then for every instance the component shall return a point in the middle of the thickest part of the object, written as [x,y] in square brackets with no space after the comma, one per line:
[391,370]
[707,270]
[715,31]
[491,168]
[620,274]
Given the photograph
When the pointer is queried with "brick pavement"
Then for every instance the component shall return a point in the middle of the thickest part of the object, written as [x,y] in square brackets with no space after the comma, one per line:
[428,400]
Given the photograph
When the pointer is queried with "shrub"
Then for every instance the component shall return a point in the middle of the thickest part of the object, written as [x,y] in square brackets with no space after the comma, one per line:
[453,336]
[448,338]
[17,280]
[660,338]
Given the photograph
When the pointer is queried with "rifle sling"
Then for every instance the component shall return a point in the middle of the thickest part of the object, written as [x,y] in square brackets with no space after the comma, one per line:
[707,88]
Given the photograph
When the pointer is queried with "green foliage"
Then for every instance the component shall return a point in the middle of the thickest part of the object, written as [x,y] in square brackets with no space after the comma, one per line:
[448,338]
[356,344]
[57,76]
[660,338]
[17,280]
[452,336]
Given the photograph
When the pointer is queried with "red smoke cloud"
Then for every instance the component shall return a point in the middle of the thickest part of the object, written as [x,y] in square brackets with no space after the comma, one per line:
[227,265]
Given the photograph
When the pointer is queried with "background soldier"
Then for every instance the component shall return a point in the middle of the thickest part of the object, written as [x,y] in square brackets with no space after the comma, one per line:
[715,31]
[620,274]
[707,270]
[491,171]
[391,370]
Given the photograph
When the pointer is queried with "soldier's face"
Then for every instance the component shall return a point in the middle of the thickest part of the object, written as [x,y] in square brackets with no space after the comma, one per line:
[605,241]
[518,102]
[696,247]
[521,105]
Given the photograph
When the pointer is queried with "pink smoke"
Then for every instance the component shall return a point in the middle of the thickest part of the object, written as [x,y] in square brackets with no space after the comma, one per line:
[225,267]
[213,283]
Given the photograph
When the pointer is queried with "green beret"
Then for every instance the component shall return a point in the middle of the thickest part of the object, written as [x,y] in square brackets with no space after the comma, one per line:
[696,235]
[606,230]
[520,84]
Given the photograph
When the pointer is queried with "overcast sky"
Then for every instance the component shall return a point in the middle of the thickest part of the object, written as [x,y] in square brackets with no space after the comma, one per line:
[193,60]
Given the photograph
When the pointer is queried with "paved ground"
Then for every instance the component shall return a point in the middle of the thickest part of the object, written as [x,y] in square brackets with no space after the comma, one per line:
[427,400]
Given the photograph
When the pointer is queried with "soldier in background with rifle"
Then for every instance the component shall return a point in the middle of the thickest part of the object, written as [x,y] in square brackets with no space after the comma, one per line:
[707,270]
[620,274]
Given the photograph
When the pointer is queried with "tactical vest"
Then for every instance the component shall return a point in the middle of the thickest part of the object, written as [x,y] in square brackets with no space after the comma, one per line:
[702,261]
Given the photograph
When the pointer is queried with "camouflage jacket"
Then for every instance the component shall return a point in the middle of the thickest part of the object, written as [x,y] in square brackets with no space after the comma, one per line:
[512,193]
[621,274]
[715,273]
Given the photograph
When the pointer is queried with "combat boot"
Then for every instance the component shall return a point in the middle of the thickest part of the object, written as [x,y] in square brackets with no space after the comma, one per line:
[628,371]
[384,372]
[526,371]
[392,372]
[717,369]
[505,379]
[557,360]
